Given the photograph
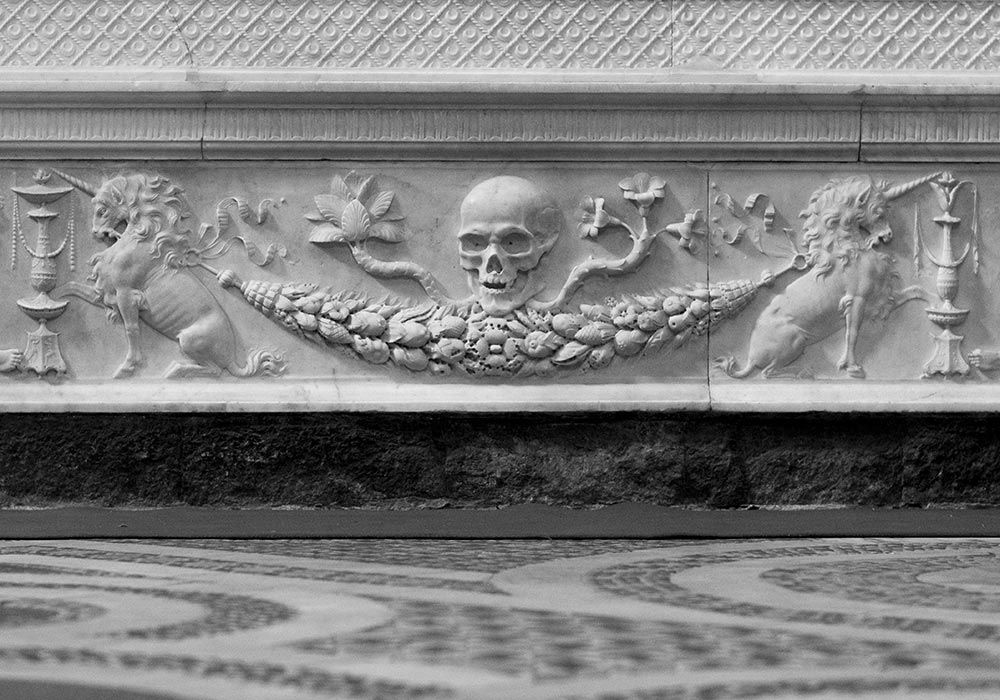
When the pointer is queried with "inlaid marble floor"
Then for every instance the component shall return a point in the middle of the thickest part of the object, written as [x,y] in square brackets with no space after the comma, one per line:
[588,619]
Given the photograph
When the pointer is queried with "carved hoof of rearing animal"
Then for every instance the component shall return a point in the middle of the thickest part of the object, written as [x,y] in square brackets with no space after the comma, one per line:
[10,360]
[126,369]
[856,371]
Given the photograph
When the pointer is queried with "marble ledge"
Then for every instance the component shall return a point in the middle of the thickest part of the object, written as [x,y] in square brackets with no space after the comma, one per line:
[258,85]
[348,396]
[359,396]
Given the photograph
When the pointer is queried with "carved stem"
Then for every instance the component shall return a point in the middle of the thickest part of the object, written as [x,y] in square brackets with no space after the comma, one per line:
[390,270]
[642,243]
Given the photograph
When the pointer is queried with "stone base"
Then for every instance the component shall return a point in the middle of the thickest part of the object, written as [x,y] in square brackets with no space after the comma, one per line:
[463,460]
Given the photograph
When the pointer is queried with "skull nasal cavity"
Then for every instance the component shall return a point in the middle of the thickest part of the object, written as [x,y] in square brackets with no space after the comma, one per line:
[494,264]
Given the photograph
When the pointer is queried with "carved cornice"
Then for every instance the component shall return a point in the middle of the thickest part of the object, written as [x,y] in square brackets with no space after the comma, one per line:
[905,128]
[914,133]
[502,132]
[79,131]
[844,80]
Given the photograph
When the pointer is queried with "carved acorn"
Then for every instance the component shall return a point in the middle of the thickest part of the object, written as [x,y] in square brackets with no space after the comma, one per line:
[335,311]
[601,356]
[413,359]
[629,342]
[334,332]
[447,327]
[371,349]
[410,334]
[597,333]
[367,323]
[567,325]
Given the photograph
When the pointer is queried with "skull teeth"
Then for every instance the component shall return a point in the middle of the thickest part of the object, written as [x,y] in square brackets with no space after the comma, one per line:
[497,286]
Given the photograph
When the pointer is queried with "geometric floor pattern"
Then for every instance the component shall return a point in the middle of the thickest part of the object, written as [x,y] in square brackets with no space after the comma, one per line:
[500,619]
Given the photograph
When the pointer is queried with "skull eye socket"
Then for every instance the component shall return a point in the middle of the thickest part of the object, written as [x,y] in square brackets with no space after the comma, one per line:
[515,243]
[473,243]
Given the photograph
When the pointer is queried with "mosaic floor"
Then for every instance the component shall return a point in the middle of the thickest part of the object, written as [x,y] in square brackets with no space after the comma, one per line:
[588,619]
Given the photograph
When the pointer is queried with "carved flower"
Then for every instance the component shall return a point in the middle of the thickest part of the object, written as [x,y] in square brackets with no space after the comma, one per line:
[355,211]
[592,217]
[539,344]
[643,189]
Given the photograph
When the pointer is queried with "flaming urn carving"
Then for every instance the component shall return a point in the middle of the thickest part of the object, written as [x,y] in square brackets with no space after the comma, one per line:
[42,354]
[947,360]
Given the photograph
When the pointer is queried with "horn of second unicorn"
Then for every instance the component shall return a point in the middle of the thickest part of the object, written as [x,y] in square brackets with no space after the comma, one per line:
[79,184]
[900,190]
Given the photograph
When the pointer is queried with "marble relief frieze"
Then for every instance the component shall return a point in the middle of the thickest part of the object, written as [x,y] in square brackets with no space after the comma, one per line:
[636,284]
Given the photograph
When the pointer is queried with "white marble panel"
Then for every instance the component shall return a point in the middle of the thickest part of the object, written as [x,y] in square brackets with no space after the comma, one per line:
[806,333]
[350,292]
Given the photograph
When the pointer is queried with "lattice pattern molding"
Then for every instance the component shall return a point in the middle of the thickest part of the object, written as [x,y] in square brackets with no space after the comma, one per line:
[605,35]
[837,35]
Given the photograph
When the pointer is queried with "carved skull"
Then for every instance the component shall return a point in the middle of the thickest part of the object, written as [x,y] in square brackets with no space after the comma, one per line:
[508,224]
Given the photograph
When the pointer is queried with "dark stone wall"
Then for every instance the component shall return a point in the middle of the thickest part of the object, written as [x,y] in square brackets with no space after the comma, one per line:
[458,460]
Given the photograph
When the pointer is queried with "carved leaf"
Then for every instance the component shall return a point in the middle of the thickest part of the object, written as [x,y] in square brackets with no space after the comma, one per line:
[379,204]
[263,259]
[388,231]
[359,187]
[769,213]
[571,354]
[356,222]
[366,189]
[331,207]
[327,233]
[724,200]
[339,188]
[752,200]
[656,341]
[755,238]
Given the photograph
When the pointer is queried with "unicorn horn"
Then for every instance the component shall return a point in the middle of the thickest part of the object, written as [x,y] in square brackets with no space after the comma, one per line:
[900,190]
[79,184]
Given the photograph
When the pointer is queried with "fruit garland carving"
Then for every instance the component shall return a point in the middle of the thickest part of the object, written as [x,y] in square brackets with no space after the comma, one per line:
[503,329]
